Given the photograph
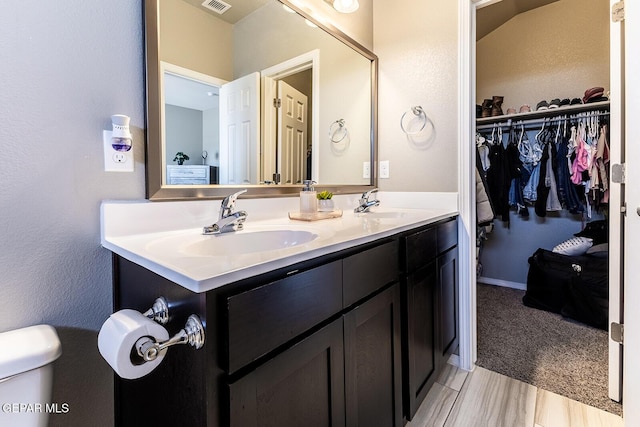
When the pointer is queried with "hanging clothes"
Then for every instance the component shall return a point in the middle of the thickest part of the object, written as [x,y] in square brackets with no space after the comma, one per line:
[566,166]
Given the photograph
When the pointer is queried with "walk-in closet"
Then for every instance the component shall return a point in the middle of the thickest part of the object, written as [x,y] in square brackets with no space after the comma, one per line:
[542,139]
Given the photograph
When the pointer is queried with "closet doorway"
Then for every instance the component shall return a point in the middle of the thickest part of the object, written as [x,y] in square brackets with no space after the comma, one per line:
[552,78]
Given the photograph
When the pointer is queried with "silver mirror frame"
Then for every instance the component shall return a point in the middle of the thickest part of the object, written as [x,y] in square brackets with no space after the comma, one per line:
[155,190]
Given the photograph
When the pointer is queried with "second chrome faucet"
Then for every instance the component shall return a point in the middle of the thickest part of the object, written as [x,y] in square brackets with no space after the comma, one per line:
[365,203]
[228,220]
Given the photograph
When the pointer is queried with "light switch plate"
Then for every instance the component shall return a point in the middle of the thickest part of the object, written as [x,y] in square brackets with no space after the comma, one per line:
[366,170]
[116,161]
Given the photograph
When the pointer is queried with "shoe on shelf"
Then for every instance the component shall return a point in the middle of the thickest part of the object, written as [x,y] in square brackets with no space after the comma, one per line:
[511,110]
[487,104]
[575,101]
[594,92]
[565,102]
[542,105]
[525,108]
[496,108]
[555,103]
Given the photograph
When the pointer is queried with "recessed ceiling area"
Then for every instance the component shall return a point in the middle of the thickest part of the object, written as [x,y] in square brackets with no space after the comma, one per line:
[491,17]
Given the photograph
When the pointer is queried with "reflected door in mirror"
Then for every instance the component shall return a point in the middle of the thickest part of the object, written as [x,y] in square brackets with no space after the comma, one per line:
[239,130]
[292,134]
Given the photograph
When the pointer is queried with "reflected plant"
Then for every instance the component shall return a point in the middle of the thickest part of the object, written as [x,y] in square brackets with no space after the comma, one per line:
[180,157]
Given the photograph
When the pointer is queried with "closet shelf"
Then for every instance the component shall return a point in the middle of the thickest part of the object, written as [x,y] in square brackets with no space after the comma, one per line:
[507,120]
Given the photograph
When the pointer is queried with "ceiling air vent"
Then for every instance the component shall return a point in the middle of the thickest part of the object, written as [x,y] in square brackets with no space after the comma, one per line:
[218,6]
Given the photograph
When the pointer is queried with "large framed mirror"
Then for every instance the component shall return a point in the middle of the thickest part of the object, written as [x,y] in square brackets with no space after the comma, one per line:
[262,97]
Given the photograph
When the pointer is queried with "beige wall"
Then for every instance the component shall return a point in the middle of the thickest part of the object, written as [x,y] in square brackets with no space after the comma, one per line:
[555,51]
[417,43]
[195,40]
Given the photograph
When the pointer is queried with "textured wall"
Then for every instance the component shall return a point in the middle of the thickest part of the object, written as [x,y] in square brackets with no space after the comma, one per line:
[64,71]
[555,51]
[417,43]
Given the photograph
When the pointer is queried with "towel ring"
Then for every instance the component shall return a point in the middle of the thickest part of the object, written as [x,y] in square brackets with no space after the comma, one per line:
[419,112]
[333,130]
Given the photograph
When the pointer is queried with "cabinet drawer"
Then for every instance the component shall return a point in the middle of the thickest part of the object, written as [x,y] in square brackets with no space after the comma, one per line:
[420,248]
[447,235]
[266,317]
[368,271]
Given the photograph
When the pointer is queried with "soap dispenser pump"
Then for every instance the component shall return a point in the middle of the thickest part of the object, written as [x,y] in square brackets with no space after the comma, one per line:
[308,198]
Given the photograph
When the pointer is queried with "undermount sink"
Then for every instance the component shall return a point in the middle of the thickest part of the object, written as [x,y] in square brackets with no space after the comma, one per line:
[382,214]
[233,243]
[244,242]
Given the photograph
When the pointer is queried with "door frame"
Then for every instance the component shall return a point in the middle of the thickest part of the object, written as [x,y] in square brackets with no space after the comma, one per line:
[291,66]
[466,180]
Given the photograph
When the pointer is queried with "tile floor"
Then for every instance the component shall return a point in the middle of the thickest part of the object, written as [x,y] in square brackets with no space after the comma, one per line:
[483,398]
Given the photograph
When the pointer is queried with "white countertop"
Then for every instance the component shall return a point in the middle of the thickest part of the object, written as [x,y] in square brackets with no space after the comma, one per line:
[158,235]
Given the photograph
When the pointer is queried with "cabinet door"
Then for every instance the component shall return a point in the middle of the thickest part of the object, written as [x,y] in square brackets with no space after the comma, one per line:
[373,368]
[420,337]
[303,386]
[448,303]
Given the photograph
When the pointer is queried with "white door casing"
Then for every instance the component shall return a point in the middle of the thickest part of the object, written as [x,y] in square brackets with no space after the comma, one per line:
[292,134]
[631,349]
[240,131]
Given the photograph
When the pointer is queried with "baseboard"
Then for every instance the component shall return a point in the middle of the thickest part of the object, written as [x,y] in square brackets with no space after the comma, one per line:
[503,283]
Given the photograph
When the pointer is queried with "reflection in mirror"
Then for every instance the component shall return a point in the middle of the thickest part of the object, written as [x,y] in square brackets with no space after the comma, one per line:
[250,100]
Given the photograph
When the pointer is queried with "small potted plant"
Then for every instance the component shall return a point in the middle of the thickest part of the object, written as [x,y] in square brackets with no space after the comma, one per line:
[180,157]
[325,203]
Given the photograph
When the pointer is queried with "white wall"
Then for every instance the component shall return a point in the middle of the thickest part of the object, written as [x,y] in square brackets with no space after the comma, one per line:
[64,71]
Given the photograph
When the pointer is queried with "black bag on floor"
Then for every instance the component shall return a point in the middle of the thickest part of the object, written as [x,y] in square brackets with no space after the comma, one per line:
[575,286]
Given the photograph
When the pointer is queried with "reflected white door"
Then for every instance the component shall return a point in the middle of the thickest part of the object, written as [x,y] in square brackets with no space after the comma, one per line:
[240,130]
[292,134]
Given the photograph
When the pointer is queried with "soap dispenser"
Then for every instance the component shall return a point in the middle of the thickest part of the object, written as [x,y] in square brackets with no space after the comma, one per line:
[308,198]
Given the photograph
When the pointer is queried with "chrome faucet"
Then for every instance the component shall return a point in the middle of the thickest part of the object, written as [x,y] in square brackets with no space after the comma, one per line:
[365,203]
[228,220]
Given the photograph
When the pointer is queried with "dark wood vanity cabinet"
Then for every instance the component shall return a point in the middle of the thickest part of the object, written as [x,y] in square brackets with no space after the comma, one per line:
[303,386]
[430,307]
[333,341]
[373,365]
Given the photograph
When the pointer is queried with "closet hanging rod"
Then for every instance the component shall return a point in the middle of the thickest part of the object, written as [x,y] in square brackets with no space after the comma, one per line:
[528,122]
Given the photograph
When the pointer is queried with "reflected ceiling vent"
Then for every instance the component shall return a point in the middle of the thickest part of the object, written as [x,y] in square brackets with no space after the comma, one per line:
[218,6]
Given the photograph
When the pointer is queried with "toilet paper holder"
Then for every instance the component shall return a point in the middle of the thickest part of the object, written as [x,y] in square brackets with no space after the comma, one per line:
[192,334]
[159,311]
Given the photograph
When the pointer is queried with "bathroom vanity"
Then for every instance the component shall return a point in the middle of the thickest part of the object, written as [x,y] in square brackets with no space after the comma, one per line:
[350,330]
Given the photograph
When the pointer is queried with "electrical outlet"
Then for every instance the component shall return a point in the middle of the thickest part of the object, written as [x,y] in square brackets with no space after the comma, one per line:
[366,170]
[116,161]
[384,168]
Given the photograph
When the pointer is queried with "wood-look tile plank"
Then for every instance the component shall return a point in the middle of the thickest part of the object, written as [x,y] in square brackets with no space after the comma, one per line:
[452,377]
[489,399]
[553,410]
[435,408]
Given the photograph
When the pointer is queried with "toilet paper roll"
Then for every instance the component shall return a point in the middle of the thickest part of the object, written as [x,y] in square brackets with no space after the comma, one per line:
[117,338]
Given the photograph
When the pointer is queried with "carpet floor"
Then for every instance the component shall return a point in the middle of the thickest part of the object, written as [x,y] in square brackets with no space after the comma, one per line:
[541,348]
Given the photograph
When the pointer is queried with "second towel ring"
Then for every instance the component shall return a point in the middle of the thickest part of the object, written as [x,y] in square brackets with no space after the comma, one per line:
[333,130]
[420,114]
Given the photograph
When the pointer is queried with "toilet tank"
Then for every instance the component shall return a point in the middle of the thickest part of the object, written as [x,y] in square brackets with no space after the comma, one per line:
[26,375]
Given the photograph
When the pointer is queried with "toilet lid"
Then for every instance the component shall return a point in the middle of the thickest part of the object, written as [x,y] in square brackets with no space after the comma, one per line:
[28,348]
